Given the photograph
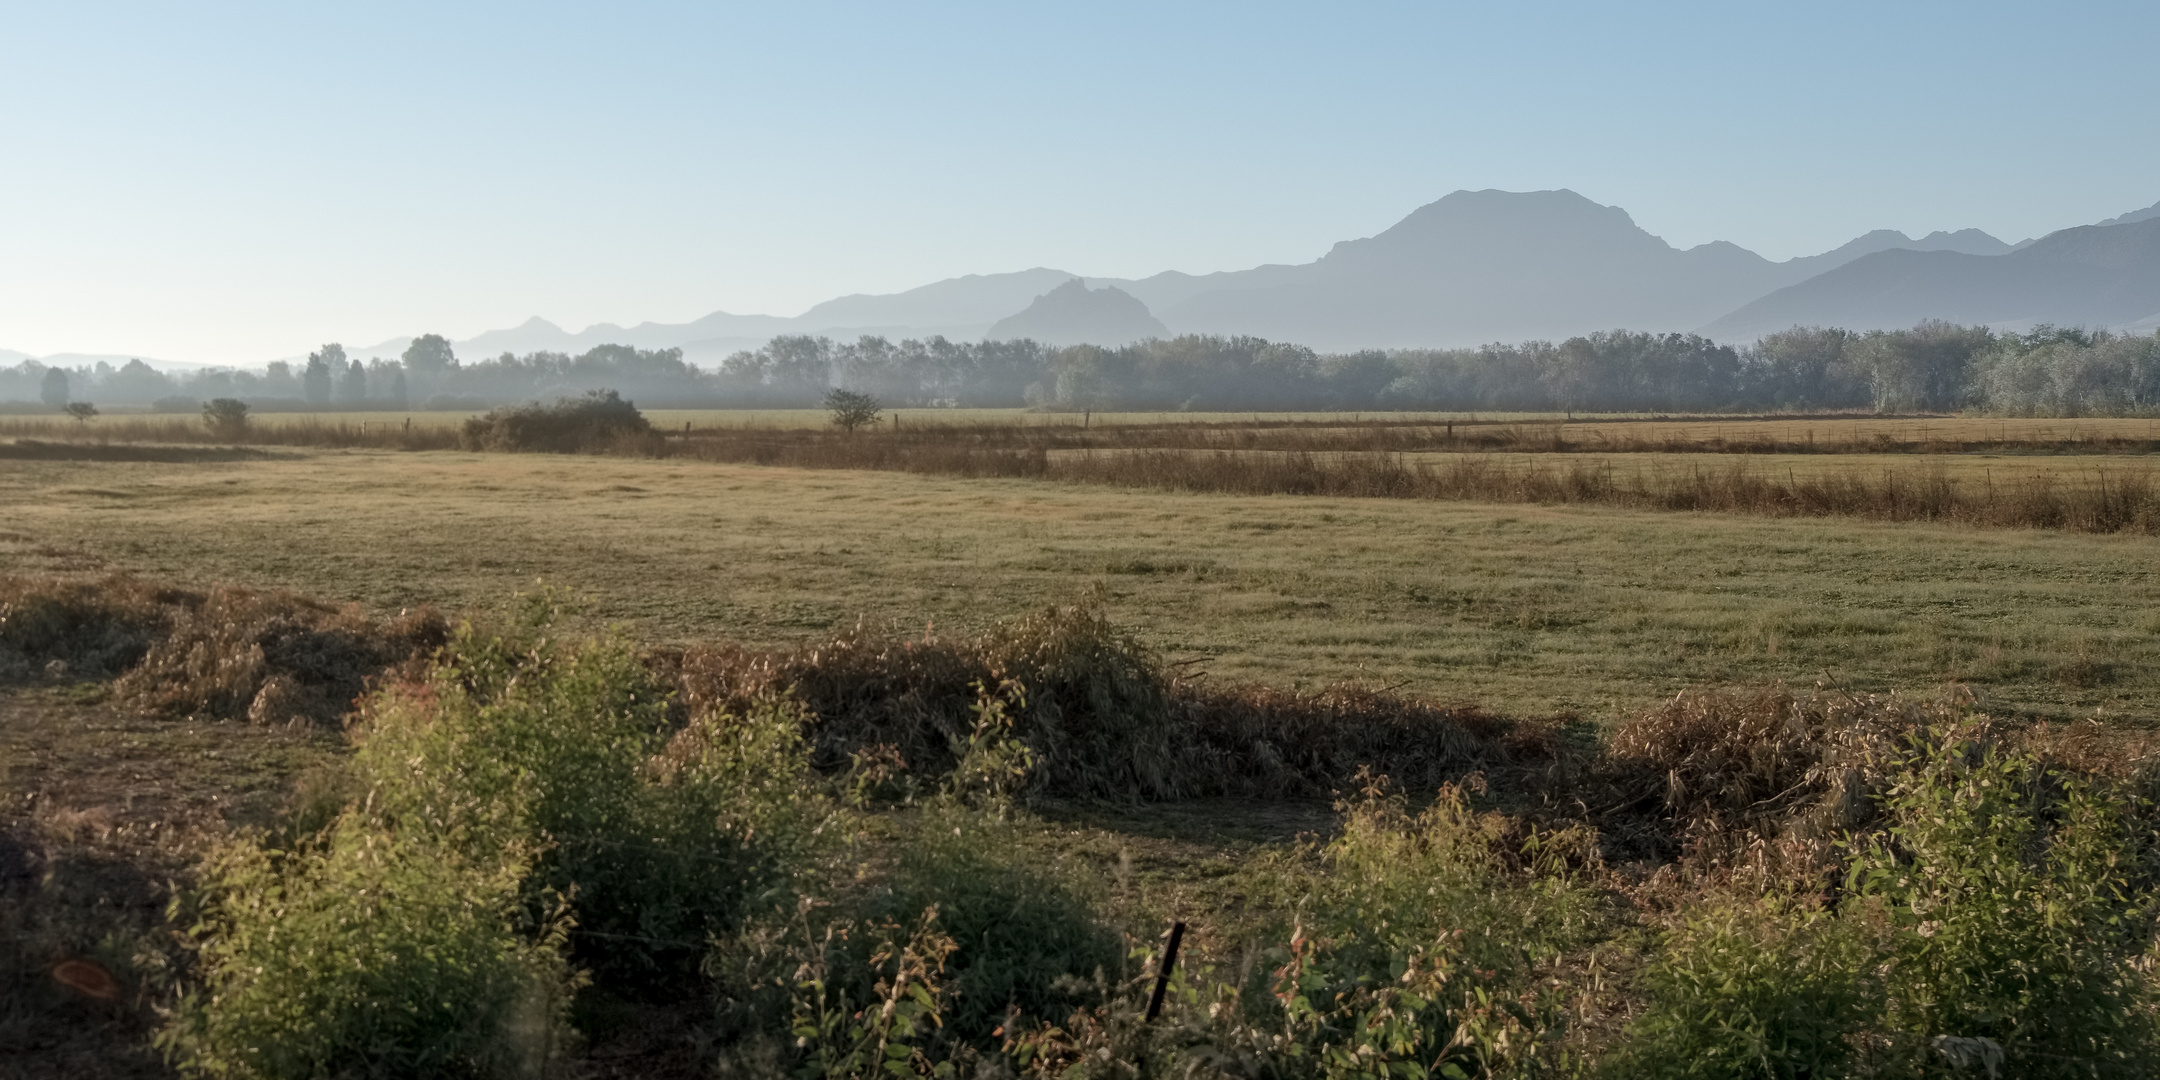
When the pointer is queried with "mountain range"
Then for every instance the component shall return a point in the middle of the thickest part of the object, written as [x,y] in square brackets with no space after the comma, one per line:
[1470,268]
[1481,266]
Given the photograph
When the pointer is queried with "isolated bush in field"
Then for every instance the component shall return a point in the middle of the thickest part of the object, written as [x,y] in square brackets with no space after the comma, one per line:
[369,952]
[2014,918]
[661,841]
[595,421]
[80,411]
[1762,989]
[850,410]
[227,418]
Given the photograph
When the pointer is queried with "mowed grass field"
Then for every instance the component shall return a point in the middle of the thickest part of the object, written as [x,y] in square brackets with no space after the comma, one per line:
[1524,609]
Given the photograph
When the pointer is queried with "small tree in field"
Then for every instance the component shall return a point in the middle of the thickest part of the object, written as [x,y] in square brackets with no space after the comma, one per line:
[851,410]
[227,418]
[82,411]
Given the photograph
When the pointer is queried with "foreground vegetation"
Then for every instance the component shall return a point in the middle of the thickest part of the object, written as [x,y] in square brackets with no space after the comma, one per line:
[861,858]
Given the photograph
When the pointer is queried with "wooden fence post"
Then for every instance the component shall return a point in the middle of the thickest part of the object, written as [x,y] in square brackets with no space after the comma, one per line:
[1162,970]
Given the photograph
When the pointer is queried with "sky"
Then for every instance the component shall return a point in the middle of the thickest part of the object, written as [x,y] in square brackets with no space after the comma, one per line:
[236,182]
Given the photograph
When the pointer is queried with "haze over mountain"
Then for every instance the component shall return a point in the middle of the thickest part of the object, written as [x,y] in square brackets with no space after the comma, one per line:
[1492,266]
[2095,275]
[1073,314]
[1469,268]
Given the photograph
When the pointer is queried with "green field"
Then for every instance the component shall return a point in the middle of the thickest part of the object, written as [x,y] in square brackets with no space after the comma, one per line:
[1525,609]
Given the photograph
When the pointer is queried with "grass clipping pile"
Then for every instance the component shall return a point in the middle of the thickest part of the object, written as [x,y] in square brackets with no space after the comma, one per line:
[223,653]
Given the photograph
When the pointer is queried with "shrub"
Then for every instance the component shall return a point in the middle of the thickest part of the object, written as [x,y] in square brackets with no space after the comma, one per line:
[227,418]
[598,420]
[1417,942]
[851,410]
[1760,989]
[1027,939]
[662,841]
[893,1027]
[2014,917]
[368,952]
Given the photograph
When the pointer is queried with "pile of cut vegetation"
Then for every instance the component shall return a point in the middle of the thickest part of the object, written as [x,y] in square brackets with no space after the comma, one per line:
[217,653]
[1104,717]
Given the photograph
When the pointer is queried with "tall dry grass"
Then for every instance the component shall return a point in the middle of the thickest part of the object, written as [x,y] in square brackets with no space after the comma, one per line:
[111,431]
[2113,498]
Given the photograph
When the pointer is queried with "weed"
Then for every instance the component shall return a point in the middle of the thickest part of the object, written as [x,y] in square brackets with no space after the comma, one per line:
[663,840]
[1751,989]
[2015,921]
[366,951]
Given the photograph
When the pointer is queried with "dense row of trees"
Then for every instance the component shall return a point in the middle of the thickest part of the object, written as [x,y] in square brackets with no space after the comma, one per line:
[1931,367]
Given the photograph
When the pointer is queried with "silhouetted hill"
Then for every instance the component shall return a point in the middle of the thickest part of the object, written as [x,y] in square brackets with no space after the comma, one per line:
[2135,216]
[1074,314]
[1473,267]
[1481,266]
[2095,275]
[958,307]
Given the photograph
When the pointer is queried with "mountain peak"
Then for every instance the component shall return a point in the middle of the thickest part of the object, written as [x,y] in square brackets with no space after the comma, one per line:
[1074,314]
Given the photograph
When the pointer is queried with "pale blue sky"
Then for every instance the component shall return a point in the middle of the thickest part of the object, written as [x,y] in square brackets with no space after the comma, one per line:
[237,181]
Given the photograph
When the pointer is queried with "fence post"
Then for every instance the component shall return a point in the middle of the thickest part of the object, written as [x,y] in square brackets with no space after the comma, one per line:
[1162,970]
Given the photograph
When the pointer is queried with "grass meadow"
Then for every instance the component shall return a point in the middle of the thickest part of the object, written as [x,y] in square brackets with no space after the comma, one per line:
[1542,609]
[349,752]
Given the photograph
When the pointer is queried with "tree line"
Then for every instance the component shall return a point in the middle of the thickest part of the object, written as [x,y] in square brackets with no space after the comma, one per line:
[1931,367]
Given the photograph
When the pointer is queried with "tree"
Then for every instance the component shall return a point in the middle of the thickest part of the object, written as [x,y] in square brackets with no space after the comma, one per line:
[82,411]
[55,388]
[322,370]
[430,354]
[353,384]
[851,410]
[227,418]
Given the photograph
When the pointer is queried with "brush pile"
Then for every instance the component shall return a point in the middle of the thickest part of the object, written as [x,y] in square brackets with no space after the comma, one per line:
[222,653]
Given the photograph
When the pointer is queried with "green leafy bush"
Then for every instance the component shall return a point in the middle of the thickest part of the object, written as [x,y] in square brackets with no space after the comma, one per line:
[1418,941]
[1761,989]
[2008,885]
[891,1029]
[369,952]
[662,838]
